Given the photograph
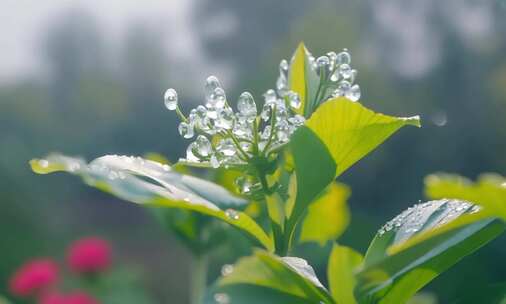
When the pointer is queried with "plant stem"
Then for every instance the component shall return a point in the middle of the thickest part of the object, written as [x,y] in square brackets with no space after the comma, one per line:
[198,279]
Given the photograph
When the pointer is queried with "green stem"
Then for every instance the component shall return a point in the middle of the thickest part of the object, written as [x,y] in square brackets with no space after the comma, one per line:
[273,126]
[238,145]
[198,279]
[180,114]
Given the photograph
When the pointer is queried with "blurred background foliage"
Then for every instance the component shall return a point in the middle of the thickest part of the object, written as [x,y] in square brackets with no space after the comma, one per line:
[96,91]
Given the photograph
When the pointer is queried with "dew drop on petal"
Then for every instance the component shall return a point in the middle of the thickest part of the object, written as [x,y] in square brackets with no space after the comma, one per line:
[323,62]
[246,105]
[345,70]
[203,146]
[226,147]
[215,163]
[190,156]
[353,93]
[225,119]
[343,57]
[185,130]
[270,97]
[294,100]
[283,65]
[170,99]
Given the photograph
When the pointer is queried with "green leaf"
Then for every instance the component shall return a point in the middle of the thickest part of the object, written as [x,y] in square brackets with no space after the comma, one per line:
[338,134]
[488,191]
[3,300]
[418,245]
[328,216]
[303,79]
[150,183]
[285,278]
[343,263]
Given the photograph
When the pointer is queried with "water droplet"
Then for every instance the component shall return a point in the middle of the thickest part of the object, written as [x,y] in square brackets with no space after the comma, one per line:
[203,146]
[283,65]
[323,63]
[343,57]
[270,97]
[246,105]
[266,112]
[353,93]
[266,133]
[242,129]
[222,298]
[44,163]
[170,99]
[227,269]
[345,70]
[185,130]
[232,214]
[243,184]
[215,95]
[215,163]
[294,100]
[282,85]
[342,88]
[226,147]
[190,156]
[225,119]
[282,131]
[297,120]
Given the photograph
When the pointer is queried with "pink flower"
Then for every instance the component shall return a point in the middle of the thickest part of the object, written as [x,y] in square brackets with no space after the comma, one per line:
[76,297]
[89,255]
[33,277]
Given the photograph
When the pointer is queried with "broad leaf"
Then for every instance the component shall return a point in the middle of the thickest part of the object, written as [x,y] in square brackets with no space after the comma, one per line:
[488,191]
[343,263]
[150,183]
[286,278]
[303,79]
[328,216]
[338,134]
[418,245]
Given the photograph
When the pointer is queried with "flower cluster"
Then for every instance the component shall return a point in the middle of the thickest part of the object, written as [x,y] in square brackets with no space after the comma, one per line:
[336,74]
[224,138]
[39,278]
[89,255]
[34,277]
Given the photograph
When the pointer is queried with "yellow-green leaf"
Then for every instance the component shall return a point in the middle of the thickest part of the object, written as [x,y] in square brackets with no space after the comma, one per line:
[488,191]
[350,131]
[328,216]
[303,79]
[343,262]
[338,134]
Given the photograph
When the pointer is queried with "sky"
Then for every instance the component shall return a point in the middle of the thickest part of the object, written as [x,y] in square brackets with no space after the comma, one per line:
[409,23]
[24,21]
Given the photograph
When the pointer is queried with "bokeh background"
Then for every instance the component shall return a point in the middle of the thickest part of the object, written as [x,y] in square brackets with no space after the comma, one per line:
[87,77]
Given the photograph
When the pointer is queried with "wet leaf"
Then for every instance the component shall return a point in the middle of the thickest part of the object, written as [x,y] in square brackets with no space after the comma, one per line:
[147,182]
